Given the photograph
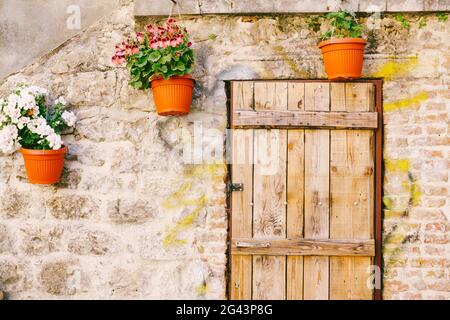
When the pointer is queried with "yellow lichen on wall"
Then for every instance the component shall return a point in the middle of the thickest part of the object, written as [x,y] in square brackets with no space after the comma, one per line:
[393,68]
[202,289]
[181,199]
[406,102]
[401,232]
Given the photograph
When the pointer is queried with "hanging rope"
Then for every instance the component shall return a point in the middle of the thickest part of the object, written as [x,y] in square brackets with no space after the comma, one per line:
[172,6]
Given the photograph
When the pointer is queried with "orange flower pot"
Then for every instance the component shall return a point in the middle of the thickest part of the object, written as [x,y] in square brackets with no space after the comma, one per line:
[343,58]
[173,97]
[44,166]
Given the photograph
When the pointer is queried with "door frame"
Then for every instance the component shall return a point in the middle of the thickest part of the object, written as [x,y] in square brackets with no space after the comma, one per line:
[379,173]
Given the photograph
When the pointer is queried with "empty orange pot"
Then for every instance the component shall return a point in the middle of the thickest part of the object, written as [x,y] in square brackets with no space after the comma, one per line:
[343,58]
[173,97]
[44,166]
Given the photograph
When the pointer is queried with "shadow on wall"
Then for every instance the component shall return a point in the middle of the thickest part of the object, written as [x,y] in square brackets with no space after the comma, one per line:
[26,35]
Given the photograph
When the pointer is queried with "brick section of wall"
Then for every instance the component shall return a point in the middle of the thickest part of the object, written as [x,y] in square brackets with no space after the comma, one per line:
[131,220]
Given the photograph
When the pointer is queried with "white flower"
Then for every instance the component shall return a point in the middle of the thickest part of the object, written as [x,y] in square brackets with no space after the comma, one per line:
[40,127]
[12,109]
[69,118]
[61,100]
[9,139]
[23,122]
[54,141]
[26,101]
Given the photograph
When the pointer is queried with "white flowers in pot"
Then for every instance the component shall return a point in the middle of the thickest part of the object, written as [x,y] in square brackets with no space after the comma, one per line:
[29,124]
[26,121]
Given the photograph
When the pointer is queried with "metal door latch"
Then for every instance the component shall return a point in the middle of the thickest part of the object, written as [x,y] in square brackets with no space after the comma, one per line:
[240,244]
[236,187]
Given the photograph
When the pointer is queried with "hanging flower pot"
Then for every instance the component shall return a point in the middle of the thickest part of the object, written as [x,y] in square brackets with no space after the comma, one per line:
[30,125]
[162,56]
[343,58]
[342,46]
[44,166]
[173,97]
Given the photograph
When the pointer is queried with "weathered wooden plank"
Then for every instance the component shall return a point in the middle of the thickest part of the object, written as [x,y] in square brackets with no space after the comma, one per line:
[316,194]
[242,95]
[241,208]
[269,215]
[270,95]
[295,193]
[303,247]
[304,119]
[351,188]
[269,280]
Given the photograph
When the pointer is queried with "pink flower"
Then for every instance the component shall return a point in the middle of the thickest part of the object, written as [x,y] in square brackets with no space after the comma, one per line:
[121,46]
[140,37]
[116,60]
[150,29]
[131,49]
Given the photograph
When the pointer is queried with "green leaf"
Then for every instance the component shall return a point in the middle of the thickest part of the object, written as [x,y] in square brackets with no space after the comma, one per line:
[180,66]
[142,63]
[166,58]
[136,84]
[442,16]
[154,56]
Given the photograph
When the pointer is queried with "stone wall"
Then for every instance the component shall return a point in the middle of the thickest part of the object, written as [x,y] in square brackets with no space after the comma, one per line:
[132,219]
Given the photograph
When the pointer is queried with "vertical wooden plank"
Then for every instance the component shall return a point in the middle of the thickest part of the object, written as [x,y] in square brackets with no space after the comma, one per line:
[269,215]
[242,95]
[316,269]
[295,193]
[351,187]
[242,210]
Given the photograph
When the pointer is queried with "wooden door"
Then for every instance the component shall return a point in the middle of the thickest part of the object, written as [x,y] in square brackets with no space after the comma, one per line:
[303,219]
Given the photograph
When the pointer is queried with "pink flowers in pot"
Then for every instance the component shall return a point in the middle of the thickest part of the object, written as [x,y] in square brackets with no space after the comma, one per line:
[155,37]
[160,51]
[124,50]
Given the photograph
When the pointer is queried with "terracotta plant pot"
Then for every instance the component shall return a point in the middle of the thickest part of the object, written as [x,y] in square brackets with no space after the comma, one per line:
[173,97]
[343,58]
[44,166]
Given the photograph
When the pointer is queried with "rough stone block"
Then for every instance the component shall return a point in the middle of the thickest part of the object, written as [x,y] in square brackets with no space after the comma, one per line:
[41,240]
[6,240]
[124,211]
[72,207]
[80,93]
[88,242]
[9,273]
[13,203]
[61,278]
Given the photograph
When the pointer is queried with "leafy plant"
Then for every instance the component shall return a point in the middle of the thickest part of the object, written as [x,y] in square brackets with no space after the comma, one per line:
[401,18]
[212,36]
[159,52]
[26,120]
[442,16]
[313,23]
[422,22]
[343,24]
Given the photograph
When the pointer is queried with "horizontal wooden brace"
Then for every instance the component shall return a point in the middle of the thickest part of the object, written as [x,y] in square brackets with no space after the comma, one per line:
[303,247]
[304,119]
